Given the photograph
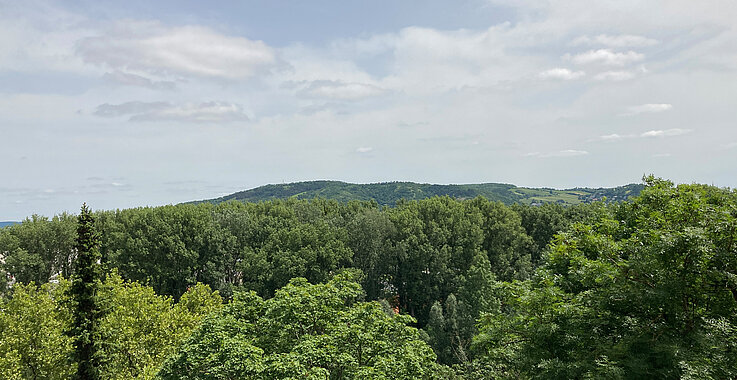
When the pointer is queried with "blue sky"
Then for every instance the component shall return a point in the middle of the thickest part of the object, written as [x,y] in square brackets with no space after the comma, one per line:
[281,23]
[124,104]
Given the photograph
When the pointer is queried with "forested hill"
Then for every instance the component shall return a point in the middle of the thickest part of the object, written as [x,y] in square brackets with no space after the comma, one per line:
[388,193]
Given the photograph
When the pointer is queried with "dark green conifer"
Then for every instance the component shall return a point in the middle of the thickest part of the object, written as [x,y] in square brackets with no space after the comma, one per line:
[84,295]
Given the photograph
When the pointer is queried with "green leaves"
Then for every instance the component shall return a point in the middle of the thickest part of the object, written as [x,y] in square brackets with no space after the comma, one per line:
[85,299]
[641,293]
[140,328]
[39,248]
[304,331]
[32,340]
[138,331]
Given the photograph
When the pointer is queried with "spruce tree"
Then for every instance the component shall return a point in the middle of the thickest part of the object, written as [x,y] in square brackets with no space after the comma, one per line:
[84,294]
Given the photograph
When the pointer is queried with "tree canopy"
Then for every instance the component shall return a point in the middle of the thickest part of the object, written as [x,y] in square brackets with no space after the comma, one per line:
[305,331]
[439,287]
[647,291]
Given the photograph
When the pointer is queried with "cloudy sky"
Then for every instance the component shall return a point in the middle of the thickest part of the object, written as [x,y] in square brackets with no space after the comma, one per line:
[139,102]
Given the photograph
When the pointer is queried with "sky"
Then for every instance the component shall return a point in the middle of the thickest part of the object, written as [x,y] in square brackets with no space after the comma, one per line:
[132,103]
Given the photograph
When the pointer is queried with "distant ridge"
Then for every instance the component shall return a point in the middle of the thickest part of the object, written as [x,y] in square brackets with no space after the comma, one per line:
[388,193]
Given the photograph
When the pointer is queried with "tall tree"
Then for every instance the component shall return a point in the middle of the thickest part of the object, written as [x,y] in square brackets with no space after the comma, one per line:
[648,291]
[84,295]
[305,331]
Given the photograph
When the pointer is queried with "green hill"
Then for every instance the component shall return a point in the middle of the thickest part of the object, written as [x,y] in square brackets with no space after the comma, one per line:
[388,193]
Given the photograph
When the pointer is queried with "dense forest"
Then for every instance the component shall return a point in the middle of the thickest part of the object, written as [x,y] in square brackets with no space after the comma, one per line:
[442,288]
[389,193]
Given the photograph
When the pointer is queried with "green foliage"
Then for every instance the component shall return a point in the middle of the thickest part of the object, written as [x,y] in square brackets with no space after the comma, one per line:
[505,241]
[542,223]
[168,247]
[641,289]
[440,251]
[304,331]
[39,248]
[390,193]
[451,325]
[647,291]
[370,235]
[33,344]
[142,328]
[84,295]
[437,241]
[249,246]
[138,331]
[412,256]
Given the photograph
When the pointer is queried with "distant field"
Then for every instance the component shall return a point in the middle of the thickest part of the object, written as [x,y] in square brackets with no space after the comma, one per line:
[388,193]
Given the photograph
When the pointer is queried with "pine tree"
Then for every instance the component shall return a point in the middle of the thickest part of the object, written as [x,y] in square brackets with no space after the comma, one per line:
[84,294]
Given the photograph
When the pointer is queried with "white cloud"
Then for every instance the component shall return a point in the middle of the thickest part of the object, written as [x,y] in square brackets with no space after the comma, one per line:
[339,90]
[207,112]
[150,47]
[128,79]
[605,57]
[648,108]
[615,76]
[129,108]
[39,36]
[613,137]
[561,73]
[649,134]
[666,132]
[364,149]
[308,64]
[616,41]
[466,82]
[569,153]
[426,61]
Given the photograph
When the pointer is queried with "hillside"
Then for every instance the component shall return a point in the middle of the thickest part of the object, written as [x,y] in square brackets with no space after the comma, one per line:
[388,193]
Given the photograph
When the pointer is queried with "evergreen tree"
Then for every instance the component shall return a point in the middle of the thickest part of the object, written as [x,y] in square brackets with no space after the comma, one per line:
[84,295]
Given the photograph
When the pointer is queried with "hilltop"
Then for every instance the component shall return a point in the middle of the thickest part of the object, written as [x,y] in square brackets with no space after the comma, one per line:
[388,193]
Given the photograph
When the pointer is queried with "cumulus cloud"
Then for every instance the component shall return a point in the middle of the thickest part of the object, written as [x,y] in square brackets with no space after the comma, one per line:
[561,73]
[666,132]
[339,90]
[648,108]
[427,60]
[207,112]
[617,41]
[150,47]
[606,57]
